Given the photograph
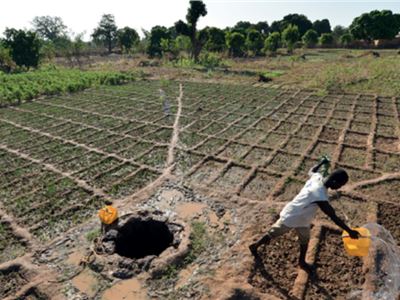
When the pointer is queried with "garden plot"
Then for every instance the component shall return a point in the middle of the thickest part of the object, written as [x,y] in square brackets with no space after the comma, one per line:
[256,144]
[337,274]
[11,246]
[11,280]
[276,273]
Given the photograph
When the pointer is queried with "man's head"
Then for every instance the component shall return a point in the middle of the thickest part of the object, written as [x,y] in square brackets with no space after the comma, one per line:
[336,179]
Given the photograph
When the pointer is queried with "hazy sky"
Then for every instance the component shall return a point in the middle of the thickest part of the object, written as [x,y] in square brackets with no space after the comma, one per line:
[84,15]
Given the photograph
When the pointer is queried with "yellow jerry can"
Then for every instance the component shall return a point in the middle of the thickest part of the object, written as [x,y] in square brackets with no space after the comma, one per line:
[360,246]
[108,214]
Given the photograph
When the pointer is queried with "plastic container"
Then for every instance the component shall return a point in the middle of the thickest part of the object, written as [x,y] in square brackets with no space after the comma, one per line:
[108,214]
[360,246]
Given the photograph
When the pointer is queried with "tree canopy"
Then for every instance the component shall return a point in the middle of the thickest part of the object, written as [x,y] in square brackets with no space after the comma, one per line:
[127,38]
[196,10]
[301,21]
[24,47]
[322,26]
[49,28]
[376,25]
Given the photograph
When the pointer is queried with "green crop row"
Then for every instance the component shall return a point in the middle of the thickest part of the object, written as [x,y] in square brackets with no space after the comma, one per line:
[25,86]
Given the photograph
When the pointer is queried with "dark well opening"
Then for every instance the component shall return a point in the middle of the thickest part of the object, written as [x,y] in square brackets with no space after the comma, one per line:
[139,238]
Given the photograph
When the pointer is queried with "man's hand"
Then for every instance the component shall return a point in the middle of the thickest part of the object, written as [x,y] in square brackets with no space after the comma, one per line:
[325,160]
[354,234]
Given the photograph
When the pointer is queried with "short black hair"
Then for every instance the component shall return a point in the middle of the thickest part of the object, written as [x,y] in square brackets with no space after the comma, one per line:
[340,176]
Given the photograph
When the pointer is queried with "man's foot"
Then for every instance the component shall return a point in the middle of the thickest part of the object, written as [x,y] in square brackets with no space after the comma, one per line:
[253,249]
[307,267]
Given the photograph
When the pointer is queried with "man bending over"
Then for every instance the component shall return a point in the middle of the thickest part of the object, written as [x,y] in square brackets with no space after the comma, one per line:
[299,213]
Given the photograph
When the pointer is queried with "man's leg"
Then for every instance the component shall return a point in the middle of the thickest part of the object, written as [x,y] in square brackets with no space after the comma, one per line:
[276,230]
[304,237]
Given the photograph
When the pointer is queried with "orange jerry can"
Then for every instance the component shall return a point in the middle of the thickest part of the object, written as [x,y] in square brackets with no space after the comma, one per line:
[360,246]
[108,214]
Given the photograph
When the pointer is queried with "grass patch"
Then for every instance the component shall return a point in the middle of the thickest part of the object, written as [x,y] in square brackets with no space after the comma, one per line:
[92,235]
[273,73]
[199,240]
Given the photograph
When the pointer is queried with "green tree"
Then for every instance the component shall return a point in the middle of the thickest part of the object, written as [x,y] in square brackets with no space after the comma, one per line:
[346,39]
[235,42]
[272,42]
[338,31]
[127,38]
[301,21]
[322,26]
[242,27]
[196,10]
[277,26]
[106,32]
[24,47]
[310,38]
[291,35]
[262,27]
[49,28]
[155,36]
[326,39]
[254,41]
[216,39]
[376,25]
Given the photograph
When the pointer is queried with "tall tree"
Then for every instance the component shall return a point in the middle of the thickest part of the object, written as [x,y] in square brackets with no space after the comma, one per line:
[127,38]
[301,21]
[106,32]
[376,25]
[196,10]
[24,47]
[49,28]
[156,35]
[262,27]
[216,39]
[322,26]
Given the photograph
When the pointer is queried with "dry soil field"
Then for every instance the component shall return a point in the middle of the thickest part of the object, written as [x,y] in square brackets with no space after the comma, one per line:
[225,156]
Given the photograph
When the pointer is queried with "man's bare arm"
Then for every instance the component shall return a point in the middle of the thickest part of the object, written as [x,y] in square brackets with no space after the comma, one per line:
[330,212]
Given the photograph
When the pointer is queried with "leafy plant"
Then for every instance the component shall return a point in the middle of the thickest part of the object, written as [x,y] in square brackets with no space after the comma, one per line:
[50,80]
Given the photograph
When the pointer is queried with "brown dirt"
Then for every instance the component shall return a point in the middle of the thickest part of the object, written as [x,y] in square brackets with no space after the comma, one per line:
[337,274]
[276,272]
[388,217]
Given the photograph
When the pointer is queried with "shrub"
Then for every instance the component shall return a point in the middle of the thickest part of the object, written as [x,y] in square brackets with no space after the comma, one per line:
[310,38]
[326,39]
[210,60]
[346,39]
[271,43]
[254,41]
[236,43]
[7,65]
[291,35]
